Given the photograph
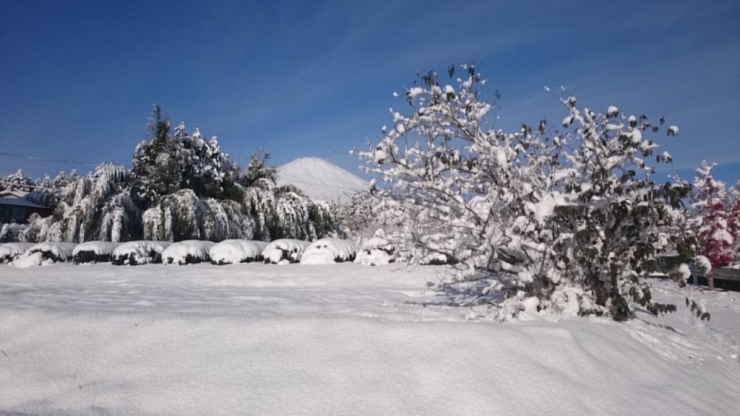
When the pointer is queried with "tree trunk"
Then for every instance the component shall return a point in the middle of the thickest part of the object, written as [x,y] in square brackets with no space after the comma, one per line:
[710,280]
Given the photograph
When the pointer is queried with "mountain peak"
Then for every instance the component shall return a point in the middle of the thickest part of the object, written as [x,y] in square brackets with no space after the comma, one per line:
[319,179]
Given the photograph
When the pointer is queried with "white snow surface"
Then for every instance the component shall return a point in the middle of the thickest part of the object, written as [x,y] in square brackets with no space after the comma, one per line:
[329,251]
[340,339]
[97,247]
[320,180]
[10,251]
[140,251]
[178,253]
[275,251]
[236,251]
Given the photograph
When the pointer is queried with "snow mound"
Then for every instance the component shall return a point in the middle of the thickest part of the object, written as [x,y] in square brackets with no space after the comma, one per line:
[30,260]
[11,251]
[284,251]
[329,251]
[376,251]
[94,252]
[320,180]
[56,252]
[134,253]
[187,252]
[237,251]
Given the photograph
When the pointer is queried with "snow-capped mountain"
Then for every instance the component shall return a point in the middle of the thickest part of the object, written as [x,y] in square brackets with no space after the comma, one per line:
[320,180]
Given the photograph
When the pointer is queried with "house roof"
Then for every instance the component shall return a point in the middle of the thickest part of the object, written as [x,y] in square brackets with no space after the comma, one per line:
[13,194]
[21,203]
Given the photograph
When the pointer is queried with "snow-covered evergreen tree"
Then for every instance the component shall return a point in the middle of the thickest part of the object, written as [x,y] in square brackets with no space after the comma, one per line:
[93,207]
[566,219]
[17,181]
[166,163]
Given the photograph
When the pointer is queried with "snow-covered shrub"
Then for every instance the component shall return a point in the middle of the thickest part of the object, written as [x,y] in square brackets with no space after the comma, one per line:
[187,252]
[565,218]
[94,252]
[329,251]
[11,251]
[377,250]
[237,251]
[134,253]
[10,233]
[284,251]
[52,251]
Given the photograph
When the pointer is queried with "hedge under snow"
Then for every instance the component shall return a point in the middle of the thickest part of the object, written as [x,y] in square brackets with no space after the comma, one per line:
[329,251]
[237,251]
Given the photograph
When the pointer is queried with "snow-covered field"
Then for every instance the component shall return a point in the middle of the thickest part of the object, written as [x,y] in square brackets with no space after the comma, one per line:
[338,340]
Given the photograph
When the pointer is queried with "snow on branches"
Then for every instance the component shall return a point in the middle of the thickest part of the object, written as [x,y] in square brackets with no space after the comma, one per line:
[565,219]
[715,221]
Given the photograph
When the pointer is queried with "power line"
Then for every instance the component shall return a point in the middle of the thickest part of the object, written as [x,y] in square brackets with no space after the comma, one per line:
[48,159]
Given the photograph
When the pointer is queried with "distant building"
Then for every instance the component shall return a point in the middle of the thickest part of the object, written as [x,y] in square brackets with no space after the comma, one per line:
[15,208]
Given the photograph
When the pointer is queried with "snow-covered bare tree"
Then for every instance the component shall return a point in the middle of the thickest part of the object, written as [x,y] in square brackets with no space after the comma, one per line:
[565,219]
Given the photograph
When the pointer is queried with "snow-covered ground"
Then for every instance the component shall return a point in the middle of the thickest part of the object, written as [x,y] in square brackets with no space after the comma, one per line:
[341,339]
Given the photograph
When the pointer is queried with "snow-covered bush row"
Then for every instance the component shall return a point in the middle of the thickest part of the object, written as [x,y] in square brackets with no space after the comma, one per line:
[329,251]
[284,251]
[135,253]
[94,252]
[236,251]
[55,252]
[11,251]
[559,218]
[187,252]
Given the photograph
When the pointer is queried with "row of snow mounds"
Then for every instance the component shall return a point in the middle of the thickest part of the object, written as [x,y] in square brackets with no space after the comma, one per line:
[134,253]
[284,251]
[187,252]
[94,252]
[12,251]
[44,253]
[237,251]
[329,251]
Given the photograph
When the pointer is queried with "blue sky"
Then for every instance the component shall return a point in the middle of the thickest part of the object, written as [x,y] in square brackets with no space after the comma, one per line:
[316,78]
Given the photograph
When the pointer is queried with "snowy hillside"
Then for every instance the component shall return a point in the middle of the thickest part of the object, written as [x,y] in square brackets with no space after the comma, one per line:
[319,179]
